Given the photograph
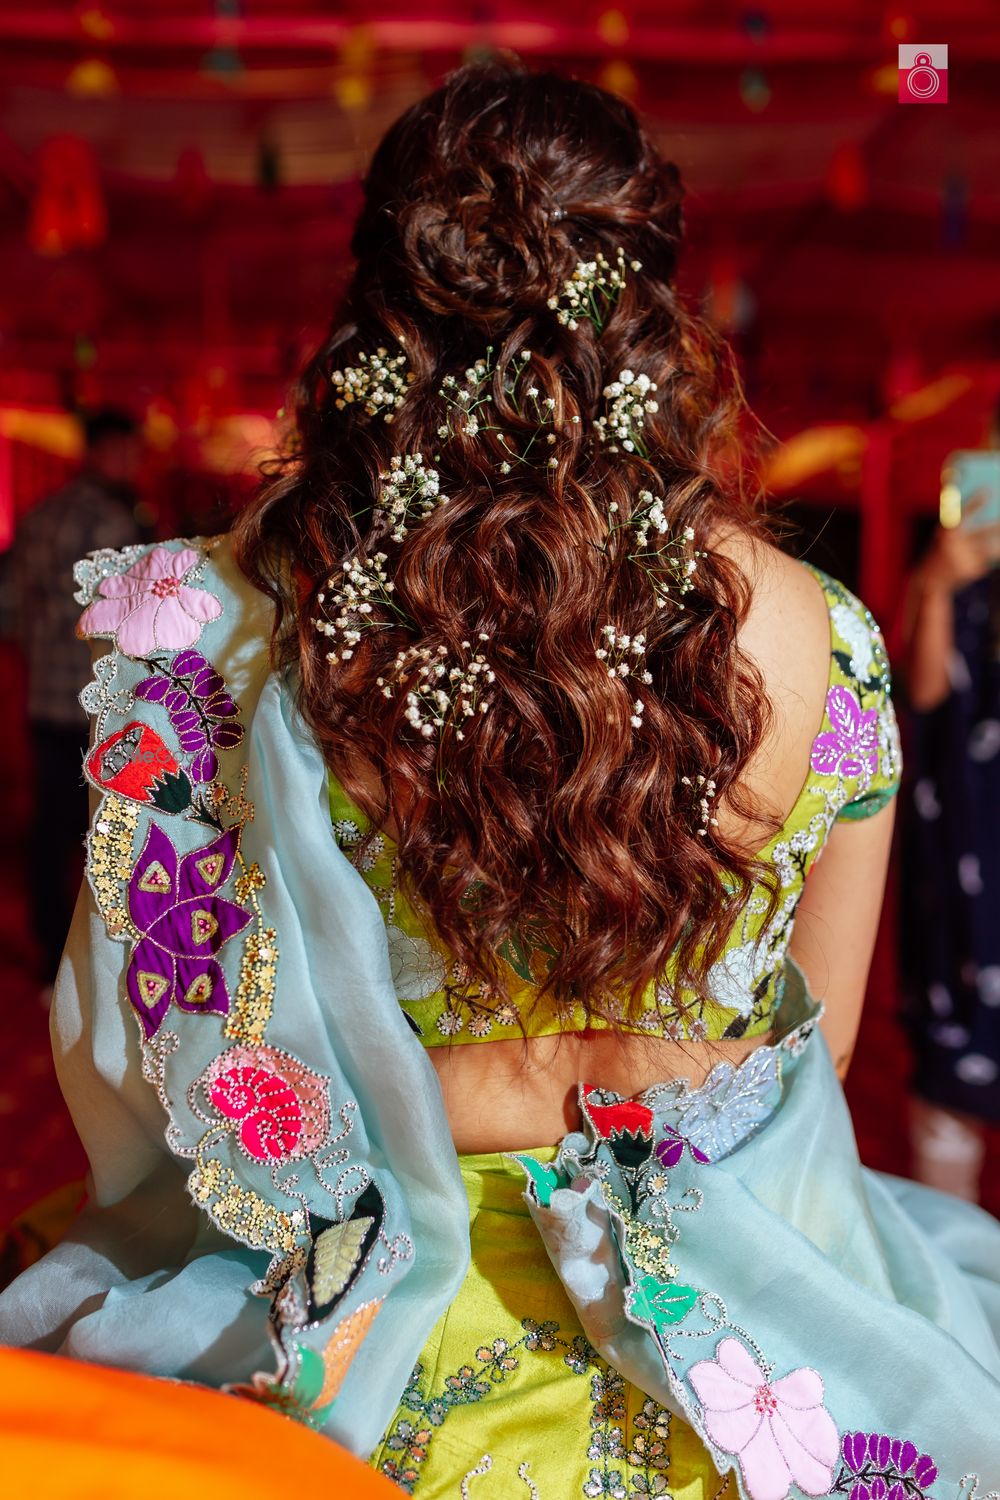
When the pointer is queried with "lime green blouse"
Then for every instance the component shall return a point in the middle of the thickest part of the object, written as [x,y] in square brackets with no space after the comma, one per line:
[854,770]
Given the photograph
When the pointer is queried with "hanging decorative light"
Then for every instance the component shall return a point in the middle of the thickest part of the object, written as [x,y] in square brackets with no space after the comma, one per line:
[352,87]
[224,59]
[68,211]
[95,22]
[613,28]
[619,77]
[755,91]
[847,177]
[92,78]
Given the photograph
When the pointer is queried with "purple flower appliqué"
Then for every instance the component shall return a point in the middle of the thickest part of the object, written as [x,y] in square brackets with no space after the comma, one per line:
[184,923]
[149,607]
[878,1465]
[851,747]
[670,1150]
[201,711]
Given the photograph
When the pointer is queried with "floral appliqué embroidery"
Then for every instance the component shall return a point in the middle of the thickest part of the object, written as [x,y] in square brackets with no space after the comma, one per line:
[181,923]
[780,1430]
[850,748]
[179,911]
[281,1107]
[878,1467]
[150,607]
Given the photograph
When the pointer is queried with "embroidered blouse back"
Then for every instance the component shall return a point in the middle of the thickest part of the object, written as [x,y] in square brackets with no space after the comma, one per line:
[854,771]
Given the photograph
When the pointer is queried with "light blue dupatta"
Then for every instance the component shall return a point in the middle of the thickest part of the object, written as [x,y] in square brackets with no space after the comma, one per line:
[266,1240]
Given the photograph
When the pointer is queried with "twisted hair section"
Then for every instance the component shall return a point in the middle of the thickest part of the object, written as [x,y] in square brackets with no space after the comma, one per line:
[569,806]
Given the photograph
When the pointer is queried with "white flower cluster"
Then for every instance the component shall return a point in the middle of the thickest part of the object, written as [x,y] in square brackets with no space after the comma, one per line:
[467,399]
[669,561]
[622,655]
[470,405]
[649,516]
[441,695]
[411,491]
[704,790]
[630,401]
[363,588]
[592,290]
[379,381]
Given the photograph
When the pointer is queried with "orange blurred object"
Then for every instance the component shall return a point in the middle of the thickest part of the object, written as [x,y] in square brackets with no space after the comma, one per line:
[72,1431]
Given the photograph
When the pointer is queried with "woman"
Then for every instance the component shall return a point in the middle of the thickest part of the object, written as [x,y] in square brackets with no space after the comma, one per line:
[581,733]
[951,944]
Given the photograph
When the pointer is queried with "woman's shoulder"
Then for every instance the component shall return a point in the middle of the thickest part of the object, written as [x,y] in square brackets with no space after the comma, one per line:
[820,655]
[800,616]
[150,598]
[785,632]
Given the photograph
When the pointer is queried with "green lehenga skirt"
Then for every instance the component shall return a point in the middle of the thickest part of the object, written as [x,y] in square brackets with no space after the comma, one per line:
[510,1399]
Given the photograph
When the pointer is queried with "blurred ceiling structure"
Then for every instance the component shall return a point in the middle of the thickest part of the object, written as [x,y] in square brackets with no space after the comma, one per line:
[849,244]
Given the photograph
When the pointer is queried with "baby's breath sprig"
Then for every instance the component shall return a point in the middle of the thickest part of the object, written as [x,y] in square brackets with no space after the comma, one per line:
[380,381]
[471,409]
[410,492]
[529,403]
[630,400]
[622,653]
[670,562]
[592,291]
[354,596]
[440,696]
[466,398]
[703,788]
[622,656]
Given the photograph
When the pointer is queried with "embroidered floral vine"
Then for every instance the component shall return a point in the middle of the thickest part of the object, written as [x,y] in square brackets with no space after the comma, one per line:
[626,1459]
[166,864]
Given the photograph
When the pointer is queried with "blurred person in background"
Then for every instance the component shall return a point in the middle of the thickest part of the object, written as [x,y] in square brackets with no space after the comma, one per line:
[97,508]
[952,868]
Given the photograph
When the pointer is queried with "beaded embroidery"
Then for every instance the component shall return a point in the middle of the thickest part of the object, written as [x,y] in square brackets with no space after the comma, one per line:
[626,1459]
[170,879]
[774,1426]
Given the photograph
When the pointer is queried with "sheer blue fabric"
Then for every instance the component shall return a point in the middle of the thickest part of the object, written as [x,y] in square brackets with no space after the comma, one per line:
[886,1292]
[145,1280]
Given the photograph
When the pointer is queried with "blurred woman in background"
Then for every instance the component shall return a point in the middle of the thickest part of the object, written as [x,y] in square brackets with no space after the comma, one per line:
[951,871]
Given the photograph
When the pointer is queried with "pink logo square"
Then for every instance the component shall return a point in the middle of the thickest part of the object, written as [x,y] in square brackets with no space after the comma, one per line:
[923,73]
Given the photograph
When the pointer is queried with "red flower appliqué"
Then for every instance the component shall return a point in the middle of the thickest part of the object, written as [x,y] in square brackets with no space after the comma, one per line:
[135,763]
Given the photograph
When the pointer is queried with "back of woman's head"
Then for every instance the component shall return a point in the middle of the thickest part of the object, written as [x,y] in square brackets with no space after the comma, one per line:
[512,455]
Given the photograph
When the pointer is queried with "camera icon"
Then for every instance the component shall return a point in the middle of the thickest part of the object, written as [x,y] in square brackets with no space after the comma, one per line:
[923,74]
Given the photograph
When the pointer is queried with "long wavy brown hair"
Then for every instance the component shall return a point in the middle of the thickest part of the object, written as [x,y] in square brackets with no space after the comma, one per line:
[554,810]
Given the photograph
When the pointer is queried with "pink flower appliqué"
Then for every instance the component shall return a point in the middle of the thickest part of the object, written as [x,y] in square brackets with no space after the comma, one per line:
[150,607]
[851,747]
[780,1430]
[281,1107]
